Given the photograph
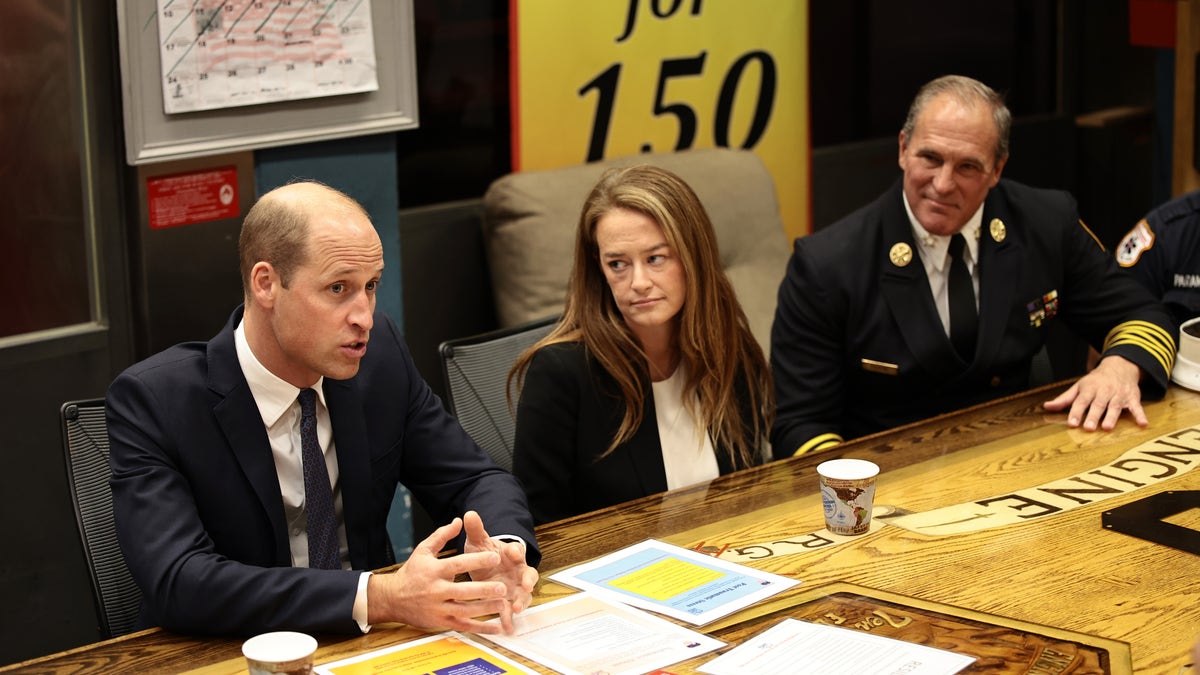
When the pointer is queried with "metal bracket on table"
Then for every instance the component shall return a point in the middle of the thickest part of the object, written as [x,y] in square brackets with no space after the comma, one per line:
[1144,519]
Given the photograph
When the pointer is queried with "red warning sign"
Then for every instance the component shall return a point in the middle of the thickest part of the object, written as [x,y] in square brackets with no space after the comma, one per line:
[196,197]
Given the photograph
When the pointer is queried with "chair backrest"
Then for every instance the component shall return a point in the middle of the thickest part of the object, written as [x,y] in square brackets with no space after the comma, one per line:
[531,218]
[85,442]
[476,371]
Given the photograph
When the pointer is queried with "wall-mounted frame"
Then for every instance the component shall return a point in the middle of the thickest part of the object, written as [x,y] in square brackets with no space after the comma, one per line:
[153,136]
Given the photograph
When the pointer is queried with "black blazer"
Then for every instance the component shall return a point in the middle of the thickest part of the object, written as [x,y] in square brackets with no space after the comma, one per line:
[569,409]
[197,500]
[844,300]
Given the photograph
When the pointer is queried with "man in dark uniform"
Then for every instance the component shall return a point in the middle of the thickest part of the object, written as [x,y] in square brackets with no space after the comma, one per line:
[1163,253]
[888,317]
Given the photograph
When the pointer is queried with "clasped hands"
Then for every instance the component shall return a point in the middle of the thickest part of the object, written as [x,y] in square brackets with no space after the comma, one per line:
[423,592]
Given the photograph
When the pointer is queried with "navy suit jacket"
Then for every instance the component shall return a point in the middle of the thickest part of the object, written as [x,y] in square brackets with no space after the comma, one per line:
[197,501]
[569,409]
[844,300]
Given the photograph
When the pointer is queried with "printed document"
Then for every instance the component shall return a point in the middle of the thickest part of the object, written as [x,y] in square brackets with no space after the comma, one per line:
[674,581]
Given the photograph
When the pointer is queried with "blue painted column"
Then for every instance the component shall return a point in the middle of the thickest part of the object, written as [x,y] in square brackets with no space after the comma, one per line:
[364,168]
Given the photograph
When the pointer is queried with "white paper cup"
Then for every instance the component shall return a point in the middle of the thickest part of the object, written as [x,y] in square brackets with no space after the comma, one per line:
[848,494]
[283,652]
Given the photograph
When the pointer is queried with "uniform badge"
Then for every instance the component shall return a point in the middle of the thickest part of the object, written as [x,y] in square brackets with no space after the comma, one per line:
[1138,241]
[999,232]
[1042,309]
[901,254]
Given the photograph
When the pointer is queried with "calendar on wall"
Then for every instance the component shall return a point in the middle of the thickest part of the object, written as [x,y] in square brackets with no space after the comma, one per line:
[227,53]
[203,77]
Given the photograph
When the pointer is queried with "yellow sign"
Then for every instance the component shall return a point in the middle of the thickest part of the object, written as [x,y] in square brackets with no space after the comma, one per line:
[596,79]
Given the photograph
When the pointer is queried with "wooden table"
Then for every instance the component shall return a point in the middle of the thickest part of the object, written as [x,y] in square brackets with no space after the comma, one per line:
[1064,571]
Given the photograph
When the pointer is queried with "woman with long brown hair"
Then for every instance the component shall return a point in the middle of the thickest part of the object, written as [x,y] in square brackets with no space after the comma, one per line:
[651,379]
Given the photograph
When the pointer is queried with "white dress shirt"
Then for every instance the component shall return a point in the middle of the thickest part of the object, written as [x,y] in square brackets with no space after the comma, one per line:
[280,412]
[935,254]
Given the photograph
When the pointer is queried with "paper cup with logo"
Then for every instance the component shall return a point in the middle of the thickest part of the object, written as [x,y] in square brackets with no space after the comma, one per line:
[848,494]
[280,653]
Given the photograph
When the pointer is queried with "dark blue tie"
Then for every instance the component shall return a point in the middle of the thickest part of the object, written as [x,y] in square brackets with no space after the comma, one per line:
[323,550]
[964,319]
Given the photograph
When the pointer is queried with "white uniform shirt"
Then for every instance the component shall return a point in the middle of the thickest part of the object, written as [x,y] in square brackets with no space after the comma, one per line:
[935,254]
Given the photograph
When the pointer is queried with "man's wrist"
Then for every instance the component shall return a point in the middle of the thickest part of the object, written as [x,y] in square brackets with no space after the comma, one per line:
[361,611]
[511,539]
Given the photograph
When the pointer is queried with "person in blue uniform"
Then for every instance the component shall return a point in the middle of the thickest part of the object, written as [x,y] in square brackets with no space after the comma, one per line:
[863,338]
[651,379]
[1163,253]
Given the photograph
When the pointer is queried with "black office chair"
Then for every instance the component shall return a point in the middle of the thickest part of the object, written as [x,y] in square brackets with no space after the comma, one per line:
[476,372]
[85,442]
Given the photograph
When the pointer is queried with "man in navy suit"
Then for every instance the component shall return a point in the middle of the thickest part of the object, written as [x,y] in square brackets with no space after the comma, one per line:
[221,518]
[863,338]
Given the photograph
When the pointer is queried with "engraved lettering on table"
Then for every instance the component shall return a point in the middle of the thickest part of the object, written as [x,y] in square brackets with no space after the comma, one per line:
[814,541]
[1124,464]
[1171,455]
[1190,437]
[1098,472]
[1025,502]
[998,645]
[747,551]
[865,622]
[760,551]
[1051,662]
[977,516]
[834,619]
[1067,492]
[892,621]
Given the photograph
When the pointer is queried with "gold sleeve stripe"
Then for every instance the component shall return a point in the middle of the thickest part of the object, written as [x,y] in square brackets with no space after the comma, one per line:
[1093,234]
[818,443]
[1144,329]
[1166,362]
[1157,342]
[1159,351]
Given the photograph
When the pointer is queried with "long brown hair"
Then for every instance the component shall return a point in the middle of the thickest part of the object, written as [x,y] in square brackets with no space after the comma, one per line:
[714,341]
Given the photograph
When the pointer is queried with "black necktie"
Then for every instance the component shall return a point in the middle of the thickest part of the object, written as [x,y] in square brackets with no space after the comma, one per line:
[323,550]
[964,319]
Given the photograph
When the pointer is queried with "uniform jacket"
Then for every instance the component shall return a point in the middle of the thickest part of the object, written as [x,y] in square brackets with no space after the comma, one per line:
[197,501]
[1163,252]
[569,410]
[857,345]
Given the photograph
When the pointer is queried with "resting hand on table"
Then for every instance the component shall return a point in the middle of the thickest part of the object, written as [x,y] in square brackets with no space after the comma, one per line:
[423,592]
[1097,399]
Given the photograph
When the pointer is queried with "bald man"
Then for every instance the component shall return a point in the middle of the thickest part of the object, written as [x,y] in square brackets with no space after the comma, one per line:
[252,474]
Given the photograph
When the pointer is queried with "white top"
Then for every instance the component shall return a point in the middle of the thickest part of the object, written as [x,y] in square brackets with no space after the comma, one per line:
[687,450]
[280,411]
[935,254]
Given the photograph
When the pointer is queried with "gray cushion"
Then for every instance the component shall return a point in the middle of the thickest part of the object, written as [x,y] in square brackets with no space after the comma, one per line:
[530,220]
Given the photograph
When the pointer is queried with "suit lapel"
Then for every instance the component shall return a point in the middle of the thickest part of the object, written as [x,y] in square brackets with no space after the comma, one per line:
[905,289]
[237,414]
[354,466]
[999,266]
[645,449]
